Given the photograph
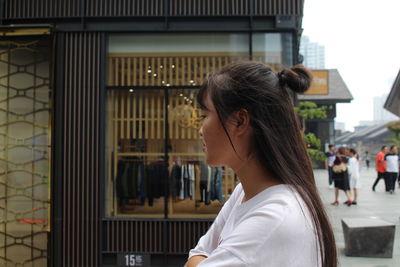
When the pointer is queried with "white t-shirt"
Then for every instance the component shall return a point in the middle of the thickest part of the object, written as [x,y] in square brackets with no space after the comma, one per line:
[392,163]
[354,173]
[268,230]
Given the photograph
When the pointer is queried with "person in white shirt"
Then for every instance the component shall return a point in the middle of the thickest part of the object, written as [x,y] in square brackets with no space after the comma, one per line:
[354,174]
[275,216]
[392,167]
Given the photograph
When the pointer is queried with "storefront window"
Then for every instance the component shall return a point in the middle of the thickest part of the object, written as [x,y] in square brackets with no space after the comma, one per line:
[138,174]
[155,162]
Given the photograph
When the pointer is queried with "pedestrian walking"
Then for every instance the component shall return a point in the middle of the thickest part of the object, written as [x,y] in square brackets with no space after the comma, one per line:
[392,168]
[330,158]
[341,176]
[367,159]
[274,216]
[354,174]
[381,168]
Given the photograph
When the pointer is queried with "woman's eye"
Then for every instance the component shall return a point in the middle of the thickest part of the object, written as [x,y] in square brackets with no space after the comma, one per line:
[202,116]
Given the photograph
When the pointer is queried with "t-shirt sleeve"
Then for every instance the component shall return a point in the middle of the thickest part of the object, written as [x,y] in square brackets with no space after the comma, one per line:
[222,257]
[209,242]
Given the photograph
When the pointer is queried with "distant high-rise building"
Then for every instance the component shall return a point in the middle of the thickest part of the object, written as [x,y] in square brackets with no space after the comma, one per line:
[313,53]
[340,126]
[380,114]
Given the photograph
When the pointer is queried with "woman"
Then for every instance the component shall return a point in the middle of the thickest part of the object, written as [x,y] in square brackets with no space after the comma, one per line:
[275,216]
[341,176]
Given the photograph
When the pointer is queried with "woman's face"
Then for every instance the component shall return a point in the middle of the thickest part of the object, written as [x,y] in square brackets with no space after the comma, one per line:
[216,144]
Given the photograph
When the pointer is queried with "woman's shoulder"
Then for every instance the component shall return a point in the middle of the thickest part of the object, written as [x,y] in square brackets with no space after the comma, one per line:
[281,202]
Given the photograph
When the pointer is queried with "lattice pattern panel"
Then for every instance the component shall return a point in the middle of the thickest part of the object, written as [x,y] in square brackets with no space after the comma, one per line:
[24,152]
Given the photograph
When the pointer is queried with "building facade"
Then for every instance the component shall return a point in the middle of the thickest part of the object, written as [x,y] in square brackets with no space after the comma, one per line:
[100,153]
[380,113]
[327,90]
[313,53]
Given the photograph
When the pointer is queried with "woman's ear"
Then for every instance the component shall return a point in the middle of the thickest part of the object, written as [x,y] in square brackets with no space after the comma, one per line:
[242,120]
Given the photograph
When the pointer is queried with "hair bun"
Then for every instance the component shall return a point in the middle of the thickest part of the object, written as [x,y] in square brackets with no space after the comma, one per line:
[297,78]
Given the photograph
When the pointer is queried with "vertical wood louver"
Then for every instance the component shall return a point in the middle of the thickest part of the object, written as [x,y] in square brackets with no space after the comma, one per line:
[143,236]
[39,9]
[81,143]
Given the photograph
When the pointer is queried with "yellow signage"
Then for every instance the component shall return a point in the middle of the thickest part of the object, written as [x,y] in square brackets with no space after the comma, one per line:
[320,83]
[9,31]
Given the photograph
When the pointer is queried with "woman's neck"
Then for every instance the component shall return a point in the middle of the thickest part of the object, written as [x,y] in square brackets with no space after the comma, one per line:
[254,177]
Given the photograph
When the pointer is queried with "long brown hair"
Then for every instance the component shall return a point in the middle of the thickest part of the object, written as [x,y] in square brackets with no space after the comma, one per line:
[264,94]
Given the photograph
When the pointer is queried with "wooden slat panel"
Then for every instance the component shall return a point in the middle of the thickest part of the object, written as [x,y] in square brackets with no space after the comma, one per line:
[147,236]
[146,118]
[122,117]
[128,115]
[135,72]
[146,69]
[152,117]
[140,119]
[81,158]
[140,67]
[134,115]
[122,68]
[129,8]
[160,128]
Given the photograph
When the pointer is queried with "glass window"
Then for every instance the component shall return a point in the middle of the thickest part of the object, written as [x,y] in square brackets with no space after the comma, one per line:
[275,49]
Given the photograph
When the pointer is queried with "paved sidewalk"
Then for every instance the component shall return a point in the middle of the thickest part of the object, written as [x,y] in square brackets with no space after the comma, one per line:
[377,204]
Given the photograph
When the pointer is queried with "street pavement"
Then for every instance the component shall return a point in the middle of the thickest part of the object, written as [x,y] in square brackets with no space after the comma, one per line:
[378,204]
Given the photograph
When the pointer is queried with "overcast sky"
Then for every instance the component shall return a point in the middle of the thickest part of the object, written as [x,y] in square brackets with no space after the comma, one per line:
[362,41]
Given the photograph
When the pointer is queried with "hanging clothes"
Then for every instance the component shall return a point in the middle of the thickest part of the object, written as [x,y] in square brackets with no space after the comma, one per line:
[191,181]
[216,184]
[175,180]
[205,175]
[157,179]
